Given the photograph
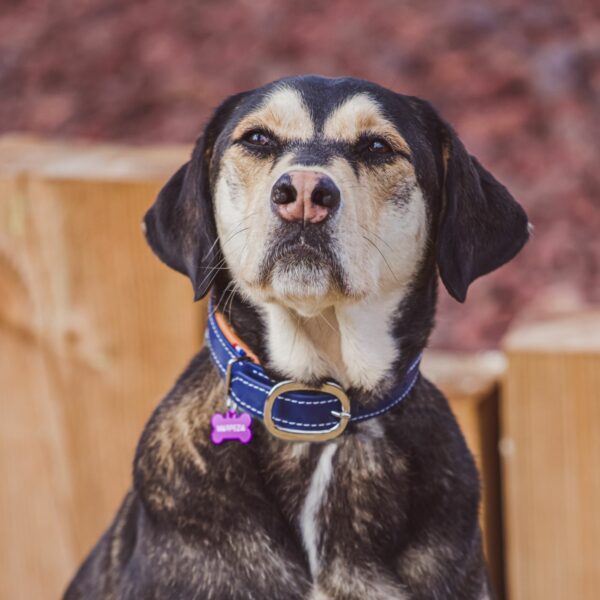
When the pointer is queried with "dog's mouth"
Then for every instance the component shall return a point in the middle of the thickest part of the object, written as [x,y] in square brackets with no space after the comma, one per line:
[302,262]
[302,251]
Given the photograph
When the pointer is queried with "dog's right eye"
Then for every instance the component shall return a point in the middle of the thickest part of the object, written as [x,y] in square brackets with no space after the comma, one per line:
[258,139]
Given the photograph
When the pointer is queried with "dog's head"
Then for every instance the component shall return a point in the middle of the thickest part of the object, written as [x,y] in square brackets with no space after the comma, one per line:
[315,191]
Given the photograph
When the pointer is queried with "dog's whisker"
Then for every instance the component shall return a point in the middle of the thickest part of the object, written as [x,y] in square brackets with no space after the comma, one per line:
[228,240]
[212,246]
[222,261]
[213,271]
[377,236]
[219,265]
[247,217]
[223,296]
[229,302]
[208,252]
[322,316]
[382,256]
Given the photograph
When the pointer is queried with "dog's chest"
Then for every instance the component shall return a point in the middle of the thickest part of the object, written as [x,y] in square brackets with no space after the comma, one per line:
[347,496]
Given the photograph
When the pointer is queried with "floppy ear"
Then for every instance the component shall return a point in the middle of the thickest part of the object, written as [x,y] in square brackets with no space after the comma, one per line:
[180,226]
[482,226]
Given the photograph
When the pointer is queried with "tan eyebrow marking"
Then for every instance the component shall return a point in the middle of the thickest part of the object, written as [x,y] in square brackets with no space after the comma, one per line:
[358,115]
[284,113]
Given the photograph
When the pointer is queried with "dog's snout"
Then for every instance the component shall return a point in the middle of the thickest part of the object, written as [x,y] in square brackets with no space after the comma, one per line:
[307,196]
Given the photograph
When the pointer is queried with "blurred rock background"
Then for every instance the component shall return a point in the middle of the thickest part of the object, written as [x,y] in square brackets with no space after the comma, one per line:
[519,80]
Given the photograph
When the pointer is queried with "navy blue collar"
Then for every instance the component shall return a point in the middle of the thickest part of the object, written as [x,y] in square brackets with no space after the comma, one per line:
[290,410]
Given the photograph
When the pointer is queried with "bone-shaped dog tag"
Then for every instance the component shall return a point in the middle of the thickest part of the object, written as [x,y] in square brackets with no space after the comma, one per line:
[231,426]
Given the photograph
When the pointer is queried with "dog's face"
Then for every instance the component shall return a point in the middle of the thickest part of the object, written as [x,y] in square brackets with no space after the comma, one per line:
[316,191]
[316,198]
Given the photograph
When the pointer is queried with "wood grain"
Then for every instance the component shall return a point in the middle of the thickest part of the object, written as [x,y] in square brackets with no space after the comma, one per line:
[551,459]
[93,330]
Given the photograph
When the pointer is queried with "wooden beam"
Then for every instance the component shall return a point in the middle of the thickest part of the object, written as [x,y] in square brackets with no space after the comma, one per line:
[551,459]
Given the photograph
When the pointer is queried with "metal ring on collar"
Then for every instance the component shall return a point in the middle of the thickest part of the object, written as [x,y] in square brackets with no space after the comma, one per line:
[307,436]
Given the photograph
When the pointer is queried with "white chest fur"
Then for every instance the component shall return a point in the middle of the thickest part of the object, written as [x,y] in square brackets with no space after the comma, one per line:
[317,493]
[350,343]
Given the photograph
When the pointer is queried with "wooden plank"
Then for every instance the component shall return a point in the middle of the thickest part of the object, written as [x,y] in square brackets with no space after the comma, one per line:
[470,382]
[95,328]
[35,482]
[551,452]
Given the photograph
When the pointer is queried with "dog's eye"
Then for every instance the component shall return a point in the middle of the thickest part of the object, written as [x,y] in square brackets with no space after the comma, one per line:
[258,138]
[379,146]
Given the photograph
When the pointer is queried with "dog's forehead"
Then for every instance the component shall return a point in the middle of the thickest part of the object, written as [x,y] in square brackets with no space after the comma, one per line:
[281,109]
[304,107]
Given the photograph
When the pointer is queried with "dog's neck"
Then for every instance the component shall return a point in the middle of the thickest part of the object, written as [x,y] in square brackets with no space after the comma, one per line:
[352,343]
[365,346]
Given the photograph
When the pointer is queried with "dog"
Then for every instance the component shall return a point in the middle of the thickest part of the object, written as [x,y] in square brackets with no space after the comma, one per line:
[318,214]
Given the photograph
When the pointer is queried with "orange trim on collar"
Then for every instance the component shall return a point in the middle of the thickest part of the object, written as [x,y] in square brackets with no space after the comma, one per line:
[232,337]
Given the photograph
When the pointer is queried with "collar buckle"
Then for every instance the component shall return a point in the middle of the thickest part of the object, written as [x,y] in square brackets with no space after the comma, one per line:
[307,436]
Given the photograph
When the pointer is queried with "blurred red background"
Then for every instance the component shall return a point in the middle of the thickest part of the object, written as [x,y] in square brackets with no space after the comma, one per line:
[520,81]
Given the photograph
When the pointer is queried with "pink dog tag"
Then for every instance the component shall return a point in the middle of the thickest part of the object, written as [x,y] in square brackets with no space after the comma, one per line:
[231,426]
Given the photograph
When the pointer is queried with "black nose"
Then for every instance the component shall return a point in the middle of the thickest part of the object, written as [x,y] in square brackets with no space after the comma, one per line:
[326,194]
[308,196]
[283,191]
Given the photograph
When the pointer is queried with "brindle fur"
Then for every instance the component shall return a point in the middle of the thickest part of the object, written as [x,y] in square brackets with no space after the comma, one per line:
[400,515]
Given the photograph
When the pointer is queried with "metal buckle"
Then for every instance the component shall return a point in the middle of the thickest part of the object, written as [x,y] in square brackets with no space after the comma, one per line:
[307,436]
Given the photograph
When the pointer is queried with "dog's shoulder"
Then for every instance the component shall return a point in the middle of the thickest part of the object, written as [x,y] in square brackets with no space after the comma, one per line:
[174,451]
[180,476]
[441,462]
[426,415]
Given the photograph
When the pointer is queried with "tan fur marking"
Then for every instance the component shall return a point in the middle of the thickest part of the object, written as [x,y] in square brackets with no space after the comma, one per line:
[284,113]
[175,439]
[361,114]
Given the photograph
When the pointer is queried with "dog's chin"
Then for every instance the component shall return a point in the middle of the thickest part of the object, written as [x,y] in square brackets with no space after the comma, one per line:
[301,280]
[305,276]
[304,281]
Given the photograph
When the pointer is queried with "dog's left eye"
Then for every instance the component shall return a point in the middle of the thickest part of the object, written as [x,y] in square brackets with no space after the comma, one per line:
[259,139]
[379,146]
